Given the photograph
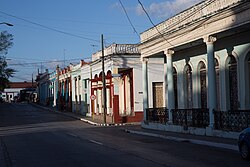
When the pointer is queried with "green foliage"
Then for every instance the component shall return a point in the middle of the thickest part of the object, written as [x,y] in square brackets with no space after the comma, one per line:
[5,72]
[5,42]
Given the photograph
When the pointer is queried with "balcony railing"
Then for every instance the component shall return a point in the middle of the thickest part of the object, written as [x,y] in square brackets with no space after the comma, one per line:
[191,117]
[157,115]
[233,120]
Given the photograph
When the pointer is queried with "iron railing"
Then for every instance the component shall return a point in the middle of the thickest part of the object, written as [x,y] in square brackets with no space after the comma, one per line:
[157,115]
[233,120]
[191,117]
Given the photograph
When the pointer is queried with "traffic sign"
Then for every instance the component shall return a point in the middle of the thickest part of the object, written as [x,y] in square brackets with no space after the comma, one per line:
[92,97]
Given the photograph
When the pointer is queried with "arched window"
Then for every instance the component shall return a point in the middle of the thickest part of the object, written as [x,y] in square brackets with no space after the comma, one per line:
[188,86]
[175,87]
[203,85]
[217,71]
[233,83]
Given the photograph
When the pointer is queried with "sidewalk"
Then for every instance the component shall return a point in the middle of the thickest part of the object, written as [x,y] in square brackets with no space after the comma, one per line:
[224,143]
[135,128]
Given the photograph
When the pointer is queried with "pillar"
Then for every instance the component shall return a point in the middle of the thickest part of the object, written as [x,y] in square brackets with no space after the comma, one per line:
[209,40]
[170,82]
[145,86]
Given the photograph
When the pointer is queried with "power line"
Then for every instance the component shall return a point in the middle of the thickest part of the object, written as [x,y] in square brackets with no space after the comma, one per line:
[45,62]
[153,23]
[49,28]
[183,19]
[129,19]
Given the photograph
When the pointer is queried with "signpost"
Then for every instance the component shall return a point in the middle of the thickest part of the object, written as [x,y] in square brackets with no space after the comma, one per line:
[92,97]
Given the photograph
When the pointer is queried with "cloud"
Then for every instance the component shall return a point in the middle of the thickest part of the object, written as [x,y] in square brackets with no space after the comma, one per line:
[168,8]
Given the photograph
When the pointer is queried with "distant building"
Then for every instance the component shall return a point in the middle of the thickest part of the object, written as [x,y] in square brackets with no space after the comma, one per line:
[42,80]
[80,75]
[12,93]
[64,89]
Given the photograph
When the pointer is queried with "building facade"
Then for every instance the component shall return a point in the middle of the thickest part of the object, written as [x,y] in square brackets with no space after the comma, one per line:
[53,89]
[122,68]
[80,87]
[64,89]
[14,91]
[206,54]
[42,80]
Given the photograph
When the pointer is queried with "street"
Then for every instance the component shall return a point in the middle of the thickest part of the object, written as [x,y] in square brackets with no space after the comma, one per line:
[35,137]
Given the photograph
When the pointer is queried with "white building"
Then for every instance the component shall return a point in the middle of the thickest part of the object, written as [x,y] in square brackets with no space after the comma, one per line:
[122,68]
[80,75]
[206,49]
[12,93]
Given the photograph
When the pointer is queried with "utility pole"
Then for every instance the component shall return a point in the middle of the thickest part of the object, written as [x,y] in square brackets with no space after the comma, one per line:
[104,84]
[58,89]
[64,50]
[32,80]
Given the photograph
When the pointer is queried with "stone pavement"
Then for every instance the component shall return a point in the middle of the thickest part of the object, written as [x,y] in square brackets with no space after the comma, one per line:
[135,128]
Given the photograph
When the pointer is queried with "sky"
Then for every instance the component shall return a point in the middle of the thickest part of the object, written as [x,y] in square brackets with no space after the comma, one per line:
[51,32]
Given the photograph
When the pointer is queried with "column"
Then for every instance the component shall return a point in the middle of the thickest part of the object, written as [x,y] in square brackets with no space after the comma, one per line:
[165,84]
[170,87]
[209,40]
[145,85]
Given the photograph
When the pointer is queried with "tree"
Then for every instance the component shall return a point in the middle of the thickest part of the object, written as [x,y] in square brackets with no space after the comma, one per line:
[5,72]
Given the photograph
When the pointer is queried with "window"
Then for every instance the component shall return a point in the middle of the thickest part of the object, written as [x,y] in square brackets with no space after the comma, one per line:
[203,85]
[188,86]
[175,87]
[233,83]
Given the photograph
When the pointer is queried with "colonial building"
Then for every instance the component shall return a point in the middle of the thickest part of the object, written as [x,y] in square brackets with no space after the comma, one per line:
[42,80]
[79,81]
[206,81]
[64,88]
[53,89]
[14,91]
[122,70]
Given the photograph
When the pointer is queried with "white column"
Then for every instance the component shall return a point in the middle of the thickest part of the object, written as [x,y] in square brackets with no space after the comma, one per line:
[55,92]
[170,81]
[209,40]
[108,100]
[145,86]
[165,84]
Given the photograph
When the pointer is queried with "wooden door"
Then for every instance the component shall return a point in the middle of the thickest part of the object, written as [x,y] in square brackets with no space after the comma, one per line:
[157,94]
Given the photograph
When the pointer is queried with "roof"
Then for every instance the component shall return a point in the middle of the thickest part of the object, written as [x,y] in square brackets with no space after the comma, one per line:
[20,85]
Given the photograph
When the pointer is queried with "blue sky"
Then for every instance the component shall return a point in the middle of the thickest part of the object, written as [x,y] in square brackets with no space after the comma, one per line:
[72,29]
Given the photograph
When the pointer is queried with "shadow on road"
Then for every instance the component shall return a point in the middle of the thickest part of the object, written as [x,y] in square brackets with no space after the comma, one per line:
[21,114]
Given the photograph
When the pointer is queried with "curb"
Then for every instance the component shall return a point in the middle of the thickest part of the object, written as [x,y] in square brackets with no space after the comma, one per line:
[193,141]
[86,120]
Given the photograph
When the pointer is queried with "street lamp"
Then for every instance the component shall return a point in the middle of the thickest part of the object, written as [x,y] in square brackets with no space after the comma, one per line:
[8,24]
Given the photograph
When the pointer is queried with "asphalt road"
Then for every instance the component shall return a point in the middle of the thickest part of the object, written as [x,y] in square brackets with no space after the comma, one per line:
[34,137]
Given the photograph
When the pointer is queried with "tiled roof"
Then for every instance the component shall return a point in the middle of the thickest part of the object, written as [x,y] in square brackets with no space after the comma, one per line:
[21,85]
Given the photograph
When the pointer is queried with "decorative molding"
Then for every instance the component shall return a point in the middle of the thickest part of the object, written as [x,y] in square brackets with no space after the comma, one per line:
[189,16]
[144,60]
[209,39]
[115,49]
[169,52]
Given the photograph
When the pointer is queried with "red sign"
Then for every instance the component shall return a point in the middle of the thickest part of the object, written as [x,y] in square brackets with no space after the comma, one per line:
[92,97]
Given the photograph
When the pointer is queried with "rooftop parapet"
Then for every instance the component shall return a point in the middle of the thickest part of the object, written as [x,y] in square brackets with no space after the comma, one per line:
[116,49]
[191,15]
